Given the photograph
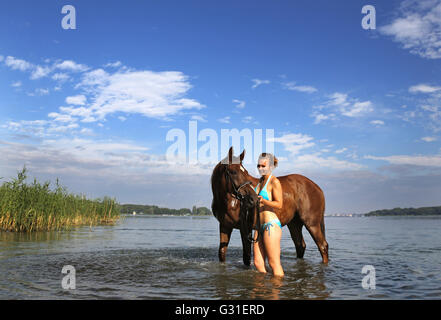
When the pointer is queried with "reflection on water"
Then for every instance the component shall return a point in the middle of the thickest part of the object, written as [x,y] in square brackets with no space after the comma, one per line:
[176,258]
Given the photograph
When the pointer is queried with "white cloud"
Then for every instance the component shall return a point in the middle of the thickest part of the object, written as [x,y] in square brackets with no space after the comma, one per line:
[340,104]
[71,66]
[16,84]
[33,127]
[62,128]
[40,72]
[294,142]
[358,109]
[97,158]
[408,116]
[377,122]
[42,91]
[319,117]
[418,28]
[87,132]
[297,143]
[338,99]
[79,100]
[258,82]
[294,87]
[85,113]
[60,77]
[423,88]
[97,77]
[341,150]
[428,139]
[115,64]
[239,103]
[151,94]
[248,119]
[428,161]
[313,161]
[349,107]
[61,117]
[433,116]
[224,119]
[17,64]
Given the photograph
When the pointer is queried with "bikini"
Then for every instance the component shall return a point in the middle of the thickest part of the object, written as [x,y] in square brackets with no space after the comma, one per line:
[264,194]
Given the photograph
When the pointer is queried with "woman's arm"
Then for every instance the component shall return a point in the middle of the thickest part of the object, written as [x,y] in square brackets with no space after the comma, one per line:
[277,195]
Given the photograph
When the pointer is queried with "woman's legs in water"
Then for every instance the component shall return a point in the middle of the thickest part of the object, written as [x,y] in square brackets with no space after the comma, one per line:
[271,241]
[268,246]
[259,254]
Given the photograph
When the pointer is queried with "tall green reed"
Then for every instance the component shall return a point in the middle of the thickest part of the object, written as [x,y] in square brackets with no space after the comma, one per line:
[35,207]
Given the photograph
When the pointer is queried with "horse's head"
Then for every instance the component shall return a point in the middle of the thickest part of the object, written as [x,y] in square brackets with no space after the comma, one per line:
[239,185]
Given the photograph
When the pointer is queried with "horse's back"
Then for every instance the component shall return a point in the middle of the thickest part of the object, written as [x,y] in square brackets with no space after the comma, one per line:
[301,196]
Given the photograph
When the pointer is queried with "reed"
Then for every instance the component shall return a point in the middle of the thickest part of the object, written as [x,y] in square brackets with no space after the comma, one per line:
[36,207]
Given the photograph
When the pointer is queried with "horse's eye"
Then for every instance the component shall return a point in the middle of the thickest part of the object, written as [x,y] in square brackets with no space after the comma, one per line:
[233,172]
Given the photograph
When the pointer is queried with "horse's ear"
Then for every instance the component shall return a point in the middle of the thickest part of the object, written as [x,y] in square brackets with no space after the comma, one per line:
[242,155]
[230,155]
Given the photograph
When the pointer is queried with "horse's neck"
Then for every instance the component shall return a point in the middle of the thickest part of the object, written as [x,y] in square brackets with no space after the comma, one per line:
[255,181]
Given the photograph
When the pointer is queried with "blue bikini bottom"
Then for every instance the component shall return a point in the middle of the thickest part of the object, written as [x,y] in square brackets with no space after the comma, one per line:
[269,224]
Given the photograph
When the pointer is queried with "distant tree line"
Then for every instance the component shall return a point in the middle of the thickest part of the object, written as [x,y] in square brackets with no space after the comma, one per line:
[153,210]
[424,211]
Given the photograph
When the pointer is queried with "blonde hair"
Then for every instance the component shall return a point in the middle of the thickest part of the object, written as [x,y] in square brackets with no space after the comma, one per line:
[273,161]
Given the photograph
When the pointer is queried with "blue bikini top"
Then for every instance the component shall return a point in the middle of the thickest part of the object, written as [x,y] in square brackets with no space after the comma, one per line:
[264,192]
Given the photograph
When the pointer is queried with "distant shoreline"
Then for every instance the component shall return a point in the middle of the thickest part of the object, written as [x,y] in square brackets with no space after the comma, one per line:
[140,209]
[153,210]
[396,212]
[165,215]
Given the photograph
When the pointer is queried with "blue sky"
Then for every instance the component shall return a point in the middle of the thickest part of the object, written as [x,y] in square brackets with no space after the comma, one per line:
[358,111]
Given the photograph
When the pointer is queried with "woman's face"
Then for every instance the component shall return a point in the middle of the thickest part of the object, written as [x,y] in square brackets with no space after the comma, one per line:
[263,167]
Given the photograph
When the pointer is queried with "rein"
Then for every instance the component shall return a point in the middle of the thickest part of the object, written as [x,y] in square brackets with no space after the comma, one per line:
[241,197]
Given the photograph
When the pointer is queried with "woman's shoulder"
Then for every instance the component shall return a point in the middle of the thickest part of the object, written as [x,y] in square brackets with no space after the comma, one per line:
[274,180]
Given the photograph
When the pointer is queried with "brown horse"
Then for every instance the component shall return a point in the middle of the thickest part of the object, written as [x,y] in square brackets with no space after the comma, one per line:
[303,205]
[234,203]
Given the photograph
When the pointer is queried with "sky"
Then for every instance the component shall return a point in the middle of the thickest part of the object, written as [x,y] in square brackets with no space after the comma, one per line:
[102,106]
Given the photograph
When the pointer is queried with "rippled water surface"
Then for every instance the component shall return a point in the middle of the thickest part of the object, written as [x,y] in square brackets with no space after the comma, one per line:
[144,257]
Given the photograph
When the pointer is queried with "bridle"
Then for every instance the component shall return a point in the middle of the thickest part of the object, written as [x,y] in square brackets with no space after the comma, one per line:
[236,190]
[240,197]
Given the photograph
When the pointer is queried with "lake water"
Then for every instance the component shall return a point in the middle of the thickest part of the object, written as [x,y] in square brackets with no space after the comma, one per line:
[144,257]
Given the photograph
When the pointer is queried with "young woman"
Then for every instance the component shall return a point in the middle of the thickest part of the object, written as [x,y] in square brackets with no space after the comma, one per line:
[269,191]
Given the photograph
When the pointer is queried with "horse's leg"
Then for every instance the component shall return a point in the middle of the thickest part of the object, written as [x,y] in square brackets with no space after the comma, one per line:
[295,228]
[225,234]
[316,230]
[246,245]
